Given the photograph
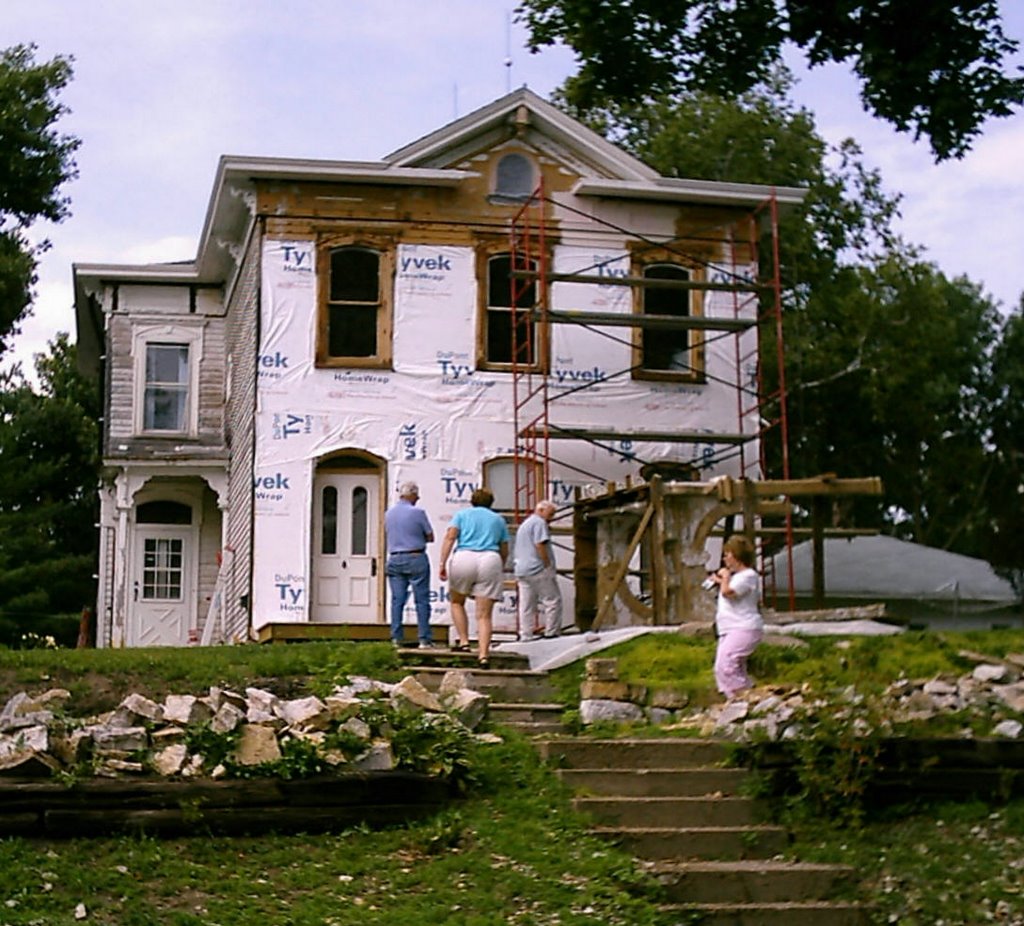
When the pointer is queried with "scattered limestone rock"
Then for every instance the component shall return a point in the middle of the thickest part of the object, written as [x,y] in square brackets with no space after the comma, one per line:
[1008,728]
[990,673]
[185,709]
[591,711]
[169,761]
[411,695]
[304,713]
[468,707]
[257,744]
[227,718]
[378,758]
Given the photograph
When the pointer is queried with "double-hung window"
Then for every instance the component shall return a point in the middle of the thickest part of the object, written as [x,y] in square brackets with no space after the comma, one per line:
[505,342]
[166,390]
[166,370]
[355,318]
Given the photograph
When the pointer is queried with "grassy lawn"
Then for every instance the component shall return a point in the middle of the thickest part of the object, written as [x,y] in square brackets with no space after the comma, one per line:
[512,851]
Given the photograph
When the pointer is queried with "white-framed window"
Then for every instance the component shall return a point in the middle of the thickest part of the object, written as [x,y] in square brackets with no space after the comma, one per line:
[167,379]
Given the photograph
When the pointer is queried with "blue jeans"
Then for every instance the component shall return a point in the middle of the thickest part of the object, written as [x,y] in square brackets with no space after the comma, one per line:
[403,570]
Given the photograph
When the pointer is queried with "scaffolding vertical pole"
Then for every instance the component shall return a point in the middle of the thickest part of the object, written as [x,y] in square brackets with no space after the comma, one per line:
[529,273]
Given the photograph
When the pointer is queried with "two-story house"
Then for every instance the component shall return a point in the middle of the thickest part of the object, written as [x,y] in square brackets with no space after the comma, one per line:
[346,326]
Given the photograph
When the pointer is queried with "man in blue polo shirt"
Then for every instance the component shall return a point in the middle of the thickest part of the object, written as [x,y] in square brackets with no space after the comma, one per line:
[408,532]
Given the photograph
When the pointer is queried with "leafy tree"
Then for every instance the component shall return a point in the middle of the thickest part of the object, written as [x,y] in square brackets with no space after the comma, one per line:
[1006,488]
[48,470]
[889,364]
[933,67]
[35,162]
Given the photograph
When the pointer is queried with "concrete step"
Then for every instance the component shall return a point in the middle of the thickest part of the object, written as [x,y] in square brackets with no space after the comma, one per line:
[540,728]
[666,752]
[447,658]
[697,842]
[524,712]
[706,810]
[750,881]
[498,683]
[655,782]
[821,913]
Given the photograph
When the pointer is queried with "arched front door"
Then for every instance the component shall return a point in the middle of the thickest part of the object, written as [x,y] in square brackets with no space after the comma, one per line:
[347,562]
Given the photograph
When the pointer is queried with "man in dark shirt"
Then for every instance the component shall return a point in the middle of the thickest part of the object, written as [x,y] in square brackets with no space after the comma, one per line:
[408,532]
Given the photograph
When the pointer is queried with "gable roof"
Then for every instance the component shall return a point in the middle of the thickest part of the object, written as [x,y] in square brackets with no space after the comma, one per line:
[886,567]
[521,108]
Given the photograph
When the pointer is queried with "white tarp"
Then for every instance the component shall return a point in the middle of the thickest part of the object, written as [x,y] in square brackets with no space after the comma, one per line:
[434,417]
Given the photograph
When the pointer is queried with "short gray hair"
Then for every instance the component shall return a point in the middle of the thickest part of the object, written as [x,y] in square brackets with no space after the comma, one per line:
[408,488]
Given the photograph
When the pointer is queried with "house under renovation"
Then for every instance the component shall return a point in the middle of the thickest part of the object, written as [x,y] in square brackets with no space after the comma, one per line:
[510,301]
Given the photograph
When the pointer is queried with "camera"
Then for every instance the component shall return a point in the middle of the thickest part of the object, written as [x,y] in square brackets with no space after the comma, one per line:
[709,583]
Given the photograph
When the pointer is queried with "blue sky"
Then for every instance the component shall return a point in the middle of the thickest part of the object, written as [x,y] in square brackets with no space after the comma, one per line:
[162,89]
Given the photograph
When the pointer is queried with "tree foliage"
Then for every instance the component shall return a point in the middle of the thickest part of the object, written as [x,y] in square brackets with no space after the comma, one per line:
[49,454]
[35,162]
[932,67]
[893,370]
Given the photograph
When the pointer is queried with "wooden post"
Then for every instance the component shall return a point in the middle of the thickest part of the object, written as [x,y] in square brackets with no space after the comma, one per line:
[818,505]
[620,573]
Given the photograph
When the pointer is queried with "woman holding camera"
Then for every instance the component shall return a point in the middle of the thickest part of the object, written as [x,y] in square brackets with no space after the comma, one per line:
[737,618]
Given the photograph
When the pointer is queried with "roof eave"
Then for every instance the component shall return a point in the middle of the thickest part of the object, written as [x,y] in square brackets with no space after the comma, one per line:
[698,192]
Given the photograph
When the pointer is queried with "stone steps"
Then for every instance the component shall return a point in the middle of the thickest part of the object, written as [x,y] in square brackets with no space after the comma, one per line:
[671,811]
[811,913]
[654,782]
[519,697]
[674,804]
[751,881]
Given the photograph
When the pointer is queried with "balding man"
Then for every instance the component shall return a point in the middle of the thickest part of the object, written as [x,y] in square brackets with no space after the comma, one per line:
[540,602]
[408,532]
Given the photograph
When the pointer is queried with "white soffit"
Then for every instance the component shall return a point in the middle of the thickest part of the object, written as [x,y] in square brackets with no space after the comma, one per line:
[669,189]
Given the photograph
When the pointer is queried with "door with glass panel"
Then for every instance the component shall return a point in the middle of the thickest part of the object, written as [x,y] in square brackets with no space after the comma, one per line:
[346,535]
[163,598]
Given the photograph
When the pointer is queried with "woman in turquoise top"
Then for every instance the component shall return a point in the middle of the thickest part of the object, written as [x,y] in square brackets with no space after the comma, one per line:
[477,569]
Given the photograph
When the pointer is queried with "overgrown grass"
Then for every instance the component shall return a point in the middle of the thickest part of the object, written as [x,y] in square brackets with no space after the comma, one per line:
[945,864]
[514,852]
[99,678]
[825,664]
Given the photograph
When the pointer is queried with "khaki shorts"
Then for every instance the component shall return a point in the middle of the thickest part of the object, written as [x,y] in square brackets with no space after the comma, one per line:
[476,574]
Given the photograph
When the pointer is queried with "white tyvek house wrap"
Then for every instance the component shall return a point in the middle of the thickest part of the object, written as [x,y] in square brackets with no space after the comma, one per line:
[435,418]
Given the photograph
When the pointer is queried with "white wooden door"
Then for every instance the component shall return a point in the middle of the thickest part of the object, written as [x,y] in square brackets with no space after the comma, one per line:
[346,533]
[162,587]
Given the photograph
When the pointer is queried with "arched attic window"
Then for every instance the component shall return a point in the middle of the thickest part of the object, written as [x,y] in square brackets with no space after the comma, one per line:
[515,178]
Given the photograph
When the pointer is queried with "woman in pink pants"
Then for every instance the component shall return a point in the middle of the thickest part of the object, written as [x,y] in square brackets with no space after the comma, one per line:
[737,618]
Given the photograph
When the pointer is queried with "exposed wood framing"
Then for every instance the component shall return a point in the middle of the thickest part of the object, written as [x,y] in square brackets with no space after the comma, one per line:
[669,523]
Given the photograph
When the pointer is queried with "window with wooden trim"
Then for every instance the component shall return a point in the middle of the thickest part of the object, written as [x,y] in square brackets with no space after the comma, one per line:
[667,352]
[500,344]
[499,475]
[355,312]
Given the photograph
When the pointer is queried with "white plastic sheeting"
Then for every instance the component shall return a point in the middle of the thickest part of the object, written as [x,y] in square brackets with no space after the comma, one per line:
[435,418]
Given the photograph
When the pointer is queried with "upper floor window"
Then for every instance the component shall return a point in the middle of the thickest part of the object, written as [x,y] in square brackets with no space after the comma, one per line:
[666,352]
[514,177]
[505,343]
[166,391]
[354,328]
[166,366]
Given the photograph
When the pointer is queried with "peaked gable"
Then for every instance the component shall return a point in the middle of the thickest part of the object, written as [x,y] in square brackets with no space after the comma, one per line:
[523,115]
